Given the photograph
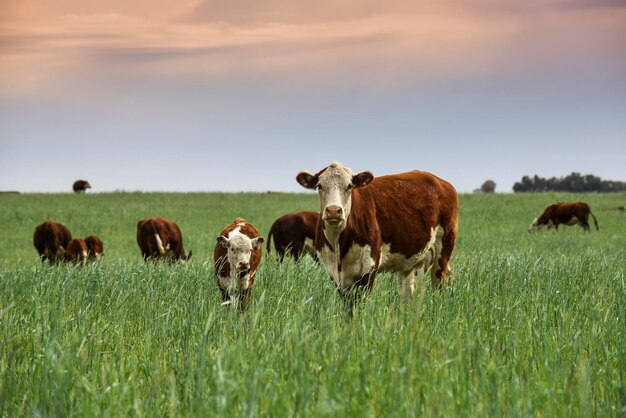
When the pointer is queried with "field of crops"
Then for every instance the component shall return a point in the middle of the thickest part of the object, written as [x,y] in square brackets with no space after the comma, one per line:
[536,325]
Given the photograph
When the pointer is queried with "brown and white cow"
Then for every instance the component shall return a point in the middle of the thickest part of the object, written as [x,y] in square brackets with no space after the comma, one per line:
[567,213]
[95,246]
[77,251]
[80,186]
[398,223]
[50,240]
[236,259]
[160,238]
[294,234]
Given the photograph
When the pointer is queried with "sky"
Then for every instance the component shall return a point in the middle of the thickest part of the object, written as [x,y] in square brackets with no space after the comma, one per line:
[241,95]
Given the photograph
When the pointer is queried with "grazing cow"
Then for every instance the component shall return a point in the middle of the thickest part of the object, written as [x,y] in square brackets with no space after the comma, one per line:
[77,251]
[160,238]
[50,240]
[95,246]
[237,256]
[294,233]
[80,186]
[398,223]
[564,213]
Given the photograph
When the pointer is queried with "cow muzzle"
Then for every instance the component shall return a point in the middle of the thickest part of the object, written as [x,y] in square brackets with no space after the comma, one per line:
[333,215]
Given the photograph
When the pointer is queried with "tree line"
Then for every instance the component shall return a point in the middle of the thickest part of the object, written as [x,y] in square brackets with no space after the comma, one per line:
[574,182]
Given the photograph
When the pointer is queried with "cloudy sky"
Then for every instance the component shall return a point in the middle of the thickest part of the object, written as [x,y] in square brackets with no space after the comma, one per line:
[240,95]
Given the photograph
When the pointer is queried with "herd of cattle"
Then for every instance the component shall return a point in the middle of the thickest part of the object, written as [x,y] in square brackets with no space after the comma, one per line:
[402,223]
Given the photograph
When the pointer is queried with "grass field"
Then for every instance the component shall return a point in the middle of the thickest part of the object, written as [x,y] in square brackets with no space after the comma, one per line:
[536,325]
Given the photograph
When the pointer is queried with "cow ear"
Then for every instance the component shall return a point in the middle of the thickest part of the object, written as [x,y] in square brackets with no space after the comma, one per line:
[306,180]
[362,179]
[223,240]
[257,242]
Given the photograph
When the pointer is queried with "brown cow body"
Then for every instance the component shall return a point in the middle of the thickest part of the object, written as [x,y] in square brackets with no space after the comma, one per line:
[95,246]
[77,251]
[50,240]
[160,238]
[565,213]
[294,234]
[80,186]
[399,223]
[236,258]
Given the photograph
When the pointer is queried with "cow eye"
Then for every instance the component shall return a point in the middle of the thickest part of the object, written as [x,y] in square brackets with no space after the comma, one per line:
[350,186]
[319,187]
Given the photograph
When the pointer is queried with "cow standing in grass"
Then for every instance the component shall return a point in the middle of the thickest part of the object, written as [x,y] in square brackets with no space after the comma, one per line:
[50,240]
[565,213]
[77,251]
[81,186]
[294,234]
[399,223]
[236,258]
[160,238]
[95,246]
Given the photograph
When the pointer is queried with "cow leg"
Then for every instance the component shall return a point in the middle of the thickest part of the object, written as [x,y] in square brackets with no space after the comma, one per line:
[407,285]
[352,295]
[441,266]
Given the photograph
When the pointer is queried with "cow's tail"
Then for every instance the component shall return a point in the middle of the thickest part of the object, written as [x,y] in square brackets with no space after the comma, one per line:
[269,240]
[595,221]
[157,238]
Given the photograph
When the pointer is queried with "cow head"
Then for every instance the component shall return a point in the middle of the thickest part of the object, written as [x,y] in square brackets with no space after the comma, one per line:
[537,224]
[334,185]
[240,249]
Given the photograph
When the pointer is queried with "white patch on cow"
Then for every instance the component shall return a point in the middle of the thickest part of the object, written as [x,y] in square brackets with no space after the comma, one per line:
[424,259]
[309,246]
[159,244]
[357,262]
[574,221]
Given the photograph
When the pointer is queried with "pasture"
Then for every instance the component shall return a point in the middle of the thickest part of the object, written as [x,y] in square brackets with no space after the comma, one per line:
[535,327]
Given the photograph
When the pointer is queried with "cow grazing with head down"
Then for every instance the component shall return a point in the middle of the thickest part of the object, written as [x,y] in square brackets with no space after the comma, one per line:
[236,258]
[294,234]
[564,213]
[95,247]
[80,186]
[160,238]
[398,223]
[77,251]
[50,240]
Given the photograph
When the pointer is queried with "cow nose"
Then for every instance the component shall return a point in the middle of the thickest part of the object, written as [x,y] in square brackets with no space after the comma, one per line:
[334,211]
[244,266]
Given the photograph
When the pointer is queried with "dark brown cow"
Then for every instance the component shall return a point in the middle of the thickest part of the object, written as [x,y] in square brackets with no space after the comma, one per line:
[95,246]
[50,240]
[399,223]
[236,258]
[566,213]
[160,238]
[77,251]
[80,186]
[294,234]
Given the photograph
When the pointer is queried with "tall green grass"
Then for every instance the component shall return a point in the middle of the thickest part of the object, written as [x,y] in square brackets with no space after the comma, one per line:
[535,326]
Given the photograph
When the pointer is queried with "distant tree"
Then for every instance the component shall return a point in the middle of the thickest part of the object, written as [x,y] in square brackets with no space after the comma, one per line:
[573,182]
[488,187]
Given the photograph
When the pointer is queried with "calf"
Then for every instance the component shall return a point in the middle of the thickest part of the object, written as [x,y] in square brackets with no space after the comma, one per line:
[399,223]
[80,186]
[77,251]
[236,258]
[160,238]
[95,246]
[566,213]
[294,234]
[50,240]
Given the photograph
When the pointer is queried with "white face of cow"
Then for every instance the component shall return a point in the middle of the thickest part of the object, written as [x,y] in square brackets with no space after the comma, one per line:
[239,248]
[334,185]
[534,225]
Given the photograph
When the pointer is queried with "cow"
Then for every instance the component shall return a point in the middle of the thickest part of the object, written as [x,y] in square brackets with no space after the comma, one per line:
[77,251]
[95,246]
[398,223]
[236,259]
[80,186]
[294,234]
[50,240]
[567,213]
[160,238]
